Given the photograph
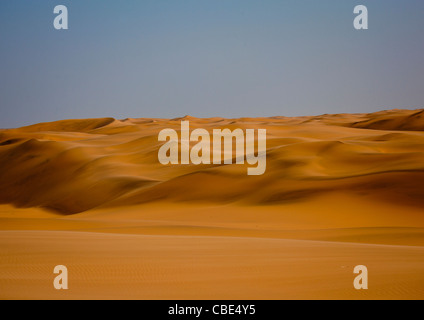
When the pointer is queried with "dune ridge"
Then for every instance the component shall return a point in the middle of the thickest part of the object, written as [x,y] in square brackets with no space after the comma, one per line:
[72,166]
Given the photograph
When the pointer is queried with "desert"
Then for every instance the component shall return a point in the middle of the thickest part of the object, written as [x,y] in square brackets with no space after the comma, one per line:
[339,190]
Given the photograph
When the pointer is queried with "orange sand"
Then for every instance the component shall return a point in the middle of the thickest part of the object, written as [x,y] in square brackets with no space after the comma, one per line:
[339,191]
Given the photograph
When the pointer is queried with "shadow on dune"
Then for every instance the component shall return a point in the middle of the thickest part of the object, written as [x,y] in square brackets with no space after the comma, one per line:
[72,166]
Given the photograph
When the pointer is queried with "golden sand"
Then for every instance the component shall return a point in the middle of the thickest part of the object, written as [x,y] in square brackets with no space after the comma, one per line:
[339,191]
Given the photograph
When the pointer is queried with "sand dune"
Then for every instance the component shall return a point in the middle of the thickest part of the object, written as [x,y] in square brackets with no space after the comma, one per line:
[348,188]
[115,162]
[394,120]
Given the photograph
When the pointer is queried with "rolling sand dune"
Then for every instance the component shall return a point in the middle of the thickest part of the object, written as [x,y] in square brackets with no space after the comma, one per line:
[339,191]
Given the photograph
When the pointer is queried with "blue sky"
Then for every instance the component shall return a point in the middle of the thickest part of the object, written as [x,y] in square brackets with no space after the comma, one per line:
[229,58]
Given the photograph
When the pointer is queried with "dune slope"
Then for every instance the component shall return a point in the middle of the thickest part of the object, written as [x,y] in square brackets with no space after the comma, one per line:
[339,191]
[114,163]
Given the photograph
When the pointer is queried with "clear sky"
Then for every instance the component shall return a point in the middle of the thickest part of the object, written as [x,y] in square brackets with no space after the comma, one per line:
[229,58]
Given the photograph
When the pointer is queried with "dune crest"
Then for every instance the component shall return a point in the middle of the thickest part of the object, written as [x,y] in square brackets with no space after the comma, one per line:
[404,120]
[83,125]
[72,166]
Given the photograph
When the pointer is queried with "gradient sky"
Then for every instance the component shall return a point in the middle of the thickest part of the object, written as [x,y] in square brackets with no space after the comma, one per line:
[229,58]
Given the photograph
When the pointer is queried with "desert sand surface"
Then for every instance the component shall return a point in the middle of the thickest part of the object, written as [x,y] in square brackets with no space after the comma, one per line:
[339,191]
